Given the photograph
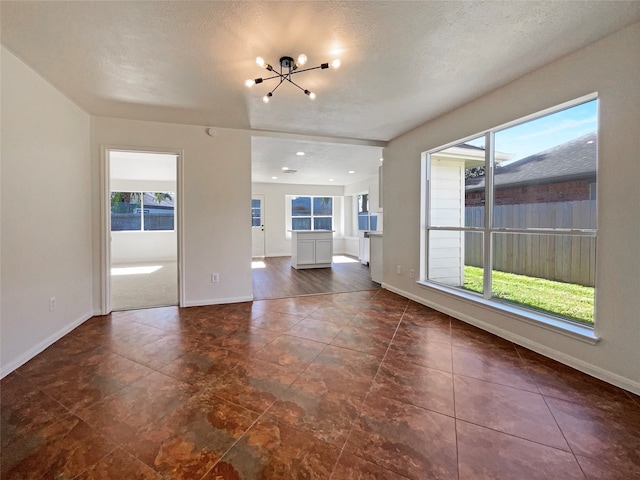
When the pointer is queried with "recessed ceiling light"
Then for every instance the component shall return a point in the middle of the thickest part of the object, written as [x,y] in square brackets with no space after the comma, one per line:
[331,179]
[274,178]
[352,171]
[382,159]
[300,154]
[285,168]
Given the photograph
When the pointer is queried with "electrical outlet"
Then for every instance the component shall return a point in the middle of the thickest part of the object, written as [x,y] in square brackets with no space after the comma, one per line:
[215,277]
[412,273]
[399,269]
[52,304]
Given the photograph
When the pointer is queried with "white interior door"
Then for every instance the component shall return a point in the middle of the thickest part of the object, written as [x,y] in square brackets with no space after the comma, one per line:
[257,225]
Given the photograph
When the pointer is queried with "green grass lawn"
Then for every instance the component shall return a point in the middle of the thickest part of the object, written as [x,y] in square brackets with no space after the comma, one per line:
[568,300]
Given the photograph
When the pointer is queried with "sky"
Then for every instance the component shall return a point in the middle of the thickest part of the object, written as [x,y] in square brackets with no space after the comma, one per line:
[545,132]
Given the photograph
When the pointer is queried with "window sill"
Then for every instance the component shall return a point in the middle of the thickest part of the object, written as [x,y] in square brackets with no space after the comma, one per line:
[557,325]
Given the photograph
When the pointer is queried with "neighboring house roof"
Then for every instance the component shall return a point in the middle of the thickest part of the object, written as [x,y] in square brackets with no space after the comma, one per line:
[570,160]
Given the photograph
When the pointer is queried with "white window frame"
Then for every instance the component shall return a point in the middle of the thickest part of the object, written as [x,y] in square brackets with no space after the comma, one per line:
[569,328]
[142,208]
[290,199]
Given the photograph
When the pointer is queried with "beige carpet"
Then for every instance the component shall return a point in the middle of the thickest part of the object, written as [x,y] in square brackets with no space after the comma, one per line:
[144,285]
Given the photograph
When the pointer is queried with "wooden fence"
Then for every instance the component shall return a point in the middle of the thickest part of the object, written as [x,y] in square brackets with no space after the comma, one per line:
[566,258]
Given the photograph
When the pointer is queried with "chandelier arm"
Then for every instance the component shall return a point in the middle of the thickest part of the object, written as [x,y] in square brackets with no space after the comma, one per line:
[280,83]
[294,83]
[305,69]
[277,75]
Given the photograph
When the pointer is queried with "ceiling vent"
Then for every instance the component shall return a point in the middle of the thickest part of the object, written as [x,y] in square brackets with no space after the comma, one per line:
[289,171]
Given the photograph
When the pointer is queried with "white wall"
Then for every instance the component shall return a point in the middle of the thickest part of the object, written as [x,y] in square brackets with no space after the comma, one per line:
[216,186]
[141,246]
[610,67]
[277,240]
[46,214]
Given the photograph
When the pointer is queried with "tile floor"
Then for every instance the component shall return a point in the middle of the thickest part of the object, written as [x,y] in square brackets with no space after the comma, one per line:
[364,385]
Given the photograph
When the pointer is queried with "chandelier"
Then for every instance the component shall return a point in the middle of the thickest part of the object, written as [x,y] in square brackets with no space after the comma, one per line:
[288,68]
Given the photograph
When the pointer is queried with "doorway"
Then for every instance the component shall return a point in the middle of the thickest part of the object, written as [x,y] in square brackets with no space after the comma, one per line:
[143,229]
[257,225]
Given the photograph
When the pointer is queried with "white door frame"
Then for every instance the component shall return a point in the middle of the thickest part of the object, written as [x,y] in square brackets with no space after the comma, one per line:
[105,217]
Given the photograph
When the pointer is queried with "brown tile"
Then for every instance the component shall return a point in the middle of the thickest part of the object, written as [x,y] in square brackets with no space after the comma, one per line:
[203,364]
[316,330]
[121,415]
[60,450]
[508,410]
[274,451]
[484,454]
[334,314]
[424,332]
[208,329]
[276,321]
[560,381]
[353,467]
[163,351]
[406,439]
[189,441]
[25,409]
[344,370]
[292,352]
[312,406]
[120,335]
[498,366]
[421,386]
[604,469]
[466,335]
[168,319]
[601,434]
[428,353]
[375,318]
[84,381]
[373,341]
[246,340]
[253,384]
[119,464]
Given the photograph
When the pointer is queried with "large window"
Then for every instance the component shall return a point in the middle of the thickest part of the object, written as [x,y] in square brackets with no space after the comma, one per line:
[510,215]
[135,211]
[366,219]
[312,213]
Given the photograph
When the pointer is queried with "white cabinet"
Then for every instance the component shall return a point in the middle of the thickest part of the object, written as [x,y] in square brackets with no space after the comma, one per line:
[311,248]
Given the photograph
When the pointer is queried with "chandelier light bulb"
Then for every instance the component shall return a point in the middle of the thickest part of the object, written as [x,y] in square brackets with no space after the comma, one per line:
[249,83]
[336,63]
[260,61]
[267,97]
[302,59]
[312,96]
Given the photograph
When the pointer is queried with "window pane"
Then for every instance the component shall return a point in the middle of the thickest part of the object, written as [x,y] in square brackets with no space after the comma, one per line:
[158,210]
[322,206]
[363,221]
[549,182]
[551,273]
[322,223]
[473,262]
[125,211]
[373,222]
[301,207]
[255,217]
[301,223]
[363,203]
[457,181]
[255,203]
[455,259]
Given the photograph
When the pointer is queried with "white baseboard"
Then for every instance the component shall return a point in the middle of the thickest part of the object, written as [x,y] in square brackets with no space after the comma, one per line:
[35,350]
[217,301]
[581,365]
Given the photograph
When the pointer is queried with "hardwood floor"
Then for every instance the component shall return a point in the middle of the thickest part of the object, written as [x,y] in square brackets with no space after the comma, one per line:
[274,278]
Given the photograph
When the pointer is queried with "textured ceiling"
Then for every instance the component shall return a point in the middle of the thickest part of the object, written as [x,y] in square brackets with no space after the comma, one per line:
[403,63]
